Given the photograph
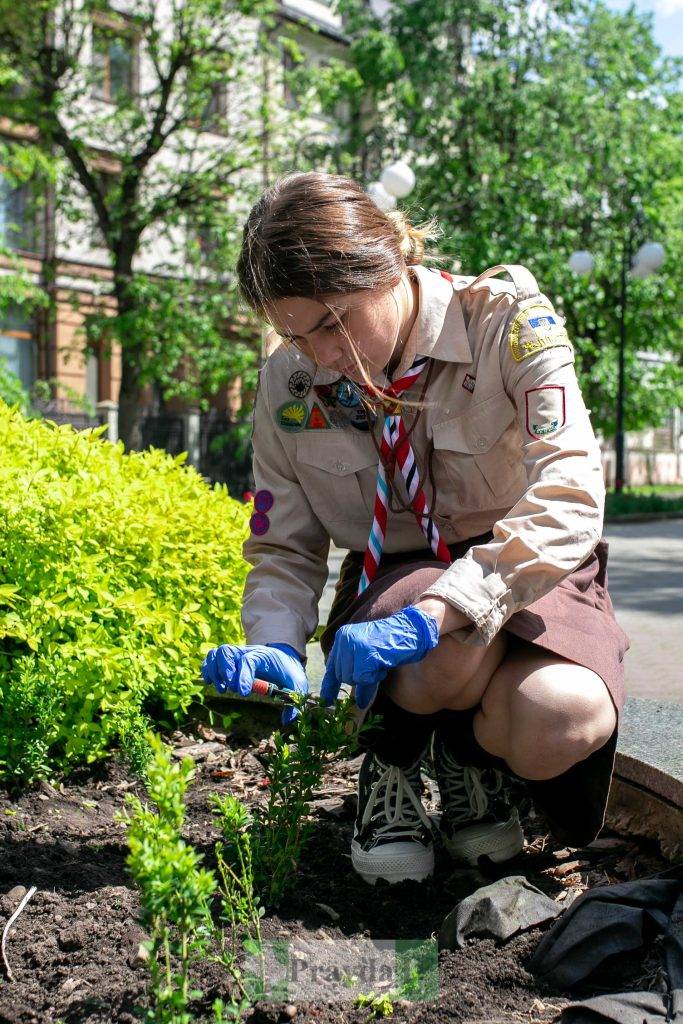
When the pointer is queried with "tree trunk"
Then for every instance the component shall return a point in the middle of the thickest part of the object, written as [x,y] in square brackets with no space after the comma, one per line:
[130,390]
[129,404]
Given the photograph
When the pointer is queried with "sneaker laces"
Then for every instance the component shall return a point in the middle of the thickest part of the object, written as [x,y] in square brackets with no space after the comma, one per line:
[467,787]
[402,808]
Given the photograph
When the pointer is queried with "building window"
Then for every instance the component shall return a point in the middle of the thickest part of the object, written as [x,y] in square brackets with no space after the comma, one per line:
[216,110]
[288,89]
[18,219]
[18,344]
[114,61]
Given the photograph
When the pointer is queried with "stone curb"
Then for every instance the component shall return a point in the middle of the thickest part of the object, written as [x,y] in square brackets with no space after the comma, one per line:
[646,796]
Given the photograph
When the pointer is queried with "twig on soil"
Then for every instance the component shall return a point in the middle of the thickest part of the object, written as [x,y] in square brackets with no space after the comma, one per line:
[5,933]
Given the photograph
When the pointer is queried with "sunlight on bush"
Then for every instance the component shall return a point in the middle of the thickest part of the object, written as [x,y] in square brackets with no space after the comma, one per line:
[117,571]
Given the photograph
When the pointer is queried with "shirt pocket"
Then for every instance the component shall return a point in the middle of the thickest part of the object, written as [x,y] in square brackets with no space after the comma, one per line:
[478,456]
[338,473]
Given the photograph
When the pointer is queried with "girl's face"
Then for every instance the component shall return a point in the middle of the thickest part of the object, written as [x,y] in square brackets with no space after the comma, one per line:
[355,334]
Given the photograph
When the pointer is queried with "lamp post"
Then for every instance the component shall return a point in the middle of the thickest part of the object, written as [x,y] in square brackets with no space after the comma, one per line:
[646,261]
[396,181]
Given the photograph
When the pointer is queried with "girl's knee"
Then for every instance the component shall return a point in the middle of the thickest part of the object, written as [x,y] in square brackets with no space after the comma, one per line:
[546,719]
[453,676]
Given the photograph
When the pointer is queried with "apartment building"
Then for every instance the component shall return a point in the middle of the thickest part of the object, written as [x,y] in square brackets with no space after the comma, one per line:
[67,257]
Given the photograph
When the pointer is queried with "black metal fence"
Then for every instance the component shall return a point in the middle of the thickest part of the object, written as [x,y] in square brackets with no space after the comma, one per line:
[163,430]
[59,411]
[224,443]
[225,451]
[224,446]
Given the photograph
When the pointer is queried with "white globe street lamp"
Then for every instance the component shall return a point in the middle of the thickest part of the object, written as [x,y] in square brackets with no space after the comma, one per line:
[379,194]
[398,179]
[581,262]
[648,259]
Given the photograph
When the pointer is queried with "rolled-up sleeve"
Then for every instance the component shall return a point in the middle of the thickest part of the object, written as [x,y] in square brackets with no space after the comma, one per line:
[558,520]
[287,547]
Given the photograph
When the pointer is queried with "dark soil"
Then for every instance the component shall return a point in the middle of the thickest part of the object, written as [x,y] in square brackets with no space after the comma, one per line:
[74,949]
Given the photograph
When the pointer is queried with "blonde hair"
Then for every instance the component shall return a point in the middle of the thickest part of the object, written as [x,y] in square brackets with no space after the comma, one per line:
[312,234]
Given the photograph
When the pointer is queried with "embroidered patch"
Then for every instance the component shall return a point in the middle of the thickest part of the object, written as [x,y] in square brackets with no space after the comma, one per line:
[259,523]
[469,382]
[292,416]
[347,395]
[300,383]
[535,329]
[263,501]
[545,410]
[316,419]
[341,415]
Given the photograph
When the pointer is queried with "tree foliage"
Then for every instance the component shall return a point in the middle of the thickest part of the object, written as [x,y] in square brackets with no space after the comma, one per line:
[536,131]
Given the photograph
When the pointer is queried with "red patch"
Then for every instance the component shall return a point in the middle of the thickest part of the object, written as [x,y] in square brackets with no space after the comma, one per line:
[316,419]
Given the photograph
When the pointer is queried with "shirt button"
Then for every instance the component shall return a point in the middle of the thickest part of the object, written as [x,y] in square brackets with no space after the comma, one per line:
[341,466]
[482,442]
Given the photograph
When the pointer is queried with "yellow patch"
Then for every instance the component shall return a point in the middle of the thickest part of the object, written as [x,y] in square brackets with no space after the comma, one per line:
[534,329]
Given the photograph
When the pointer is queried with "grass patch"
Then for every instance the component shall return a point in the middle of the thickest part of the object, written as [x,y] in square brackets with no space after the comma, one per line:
[644,500]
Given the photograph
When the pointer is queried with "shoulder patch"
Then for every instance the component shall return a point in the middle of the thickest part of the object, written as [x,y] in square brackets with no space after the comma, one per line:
[534,329]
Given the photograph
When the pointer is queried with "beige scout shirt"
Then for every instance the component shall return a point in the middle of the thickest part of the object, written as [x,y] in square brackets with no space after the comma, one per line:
[513,452]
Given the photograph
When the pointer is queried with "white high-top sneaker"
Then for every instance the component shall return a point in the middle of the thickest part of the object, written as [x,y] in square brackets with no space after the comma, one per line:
[393,834]
[478,817]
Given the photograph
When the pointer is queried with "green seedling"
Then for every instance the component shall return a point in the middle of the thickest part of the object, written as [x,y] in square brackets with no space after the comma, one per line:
[175,891]
[379,1006]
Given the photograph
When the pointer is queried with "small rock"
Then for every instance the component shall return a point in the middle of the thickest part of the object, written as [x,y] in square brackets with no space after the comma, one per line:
[290,1011]
[90,905]
[71,939]
[17,893]
[139,957]
[58,918]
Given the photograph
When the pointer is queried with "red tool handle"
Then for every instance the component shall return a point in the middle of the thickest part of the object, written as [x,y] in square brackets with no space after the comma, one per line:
[262,687]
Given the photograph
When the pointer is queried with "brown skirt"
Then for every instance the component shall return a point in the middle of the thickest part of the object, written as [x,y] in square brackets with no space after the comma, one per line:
[575,620]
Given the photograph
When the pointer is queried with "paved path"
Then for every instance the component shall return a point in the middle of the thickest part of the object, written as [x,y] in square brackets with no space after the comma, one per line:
[645,580]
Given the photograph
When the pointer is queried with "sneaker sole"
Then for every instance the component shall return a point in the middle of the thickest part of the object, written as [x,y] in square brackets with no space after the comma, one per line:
[371,866]
[499,842]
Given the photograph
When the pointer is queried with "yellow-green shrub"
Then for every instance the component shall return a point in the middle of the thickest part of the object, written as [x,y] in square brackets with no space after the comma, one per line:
[116,571]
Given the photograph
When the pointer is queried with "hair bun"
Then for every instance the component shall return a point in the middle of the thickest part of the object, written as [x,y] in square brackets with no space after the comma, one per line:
[412,239]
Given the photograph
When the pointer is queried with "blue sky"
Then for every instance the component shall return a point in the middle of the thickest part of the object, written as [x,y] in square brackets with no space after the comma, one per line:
[668,21]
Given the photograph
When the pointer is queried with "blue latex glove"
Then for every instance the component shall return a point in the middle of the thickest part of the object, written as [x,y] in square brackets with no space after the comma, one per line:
[231,667]
[363,652]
